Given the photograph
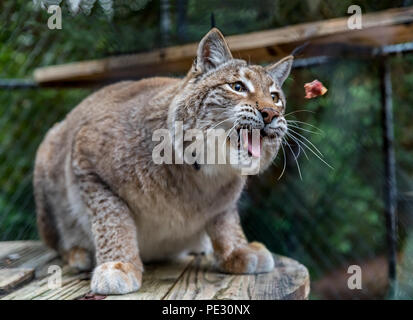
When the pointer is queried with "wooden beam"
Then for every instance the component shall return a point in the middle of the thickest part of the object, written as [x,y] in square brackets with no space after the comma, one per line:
[379,28]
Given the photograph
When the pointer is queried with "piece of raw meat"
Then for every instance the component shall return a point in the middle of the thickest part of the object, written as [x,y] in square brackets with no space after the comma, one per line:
[314,89]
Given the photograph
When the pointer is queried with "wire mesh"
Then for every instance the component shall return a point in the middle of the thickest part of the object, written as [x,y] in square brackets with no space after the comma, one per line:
[328,220]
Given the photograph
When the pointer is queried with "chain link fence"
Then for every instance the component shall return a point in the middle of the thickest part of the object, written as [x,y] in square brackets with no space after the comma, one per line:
[328,220]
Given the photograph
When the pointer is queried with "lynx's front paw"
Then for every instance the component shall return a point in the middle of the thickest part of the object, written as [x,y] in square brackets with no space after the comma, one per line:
[116,278]
[252,258]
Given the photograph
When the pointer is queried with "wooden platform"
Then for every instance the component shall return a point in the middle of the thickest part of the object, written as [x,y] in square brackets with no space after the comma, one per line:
[24,267]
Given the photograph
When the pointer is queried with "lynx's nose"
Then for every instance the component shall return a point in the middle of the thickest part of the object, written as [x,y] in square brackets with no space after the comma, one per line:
[268,114]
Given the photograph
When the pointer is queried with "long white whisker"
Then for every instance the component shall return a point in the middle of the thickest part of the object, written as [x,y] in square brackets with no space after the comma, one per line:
[309,131]
[221,110]
[305,123]
[290,113]
[300,135]
[232,128]
[229,132]
[295,158]
[308,148]
[284,165]
[216,125]
[298,144]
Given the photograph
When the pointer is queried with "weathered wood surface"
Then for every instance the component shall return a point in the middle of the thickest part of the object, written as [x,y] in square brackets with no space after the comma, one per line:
[12,277]
[189,278]
[379,28]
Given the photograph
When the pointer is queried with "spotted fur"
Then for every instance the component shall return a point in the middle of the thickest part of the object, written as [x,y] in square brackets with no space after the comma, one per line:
[100,197]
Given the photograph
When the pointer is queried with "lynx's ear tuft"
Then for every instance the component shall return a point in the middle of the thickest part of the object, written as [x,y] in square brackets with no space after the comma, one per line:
[280,70]
[212,51]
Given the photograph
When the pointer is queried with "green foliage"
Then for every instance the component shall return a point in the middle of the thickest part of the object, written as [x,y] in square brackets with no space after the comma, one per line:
[326,219]
[25,118]
[325,213]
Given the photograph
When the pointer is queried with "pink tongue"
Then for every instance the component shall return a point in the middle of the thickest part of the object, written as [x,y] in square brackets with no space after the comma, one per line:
[254,148]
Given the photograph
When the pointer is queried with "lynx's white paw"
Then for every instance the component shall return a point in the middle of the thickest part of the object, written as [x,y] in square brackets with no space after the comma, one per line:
[250,259]
[116,277]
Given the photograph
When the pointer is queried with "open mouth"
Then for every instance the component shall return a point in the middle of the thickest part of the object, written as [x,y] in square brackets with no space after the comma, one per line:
[250,143]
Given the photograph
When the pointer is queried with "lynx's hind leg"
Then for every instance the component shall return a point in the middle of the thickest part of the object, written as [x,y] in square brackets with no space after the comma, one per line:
[46,223]
[79,258]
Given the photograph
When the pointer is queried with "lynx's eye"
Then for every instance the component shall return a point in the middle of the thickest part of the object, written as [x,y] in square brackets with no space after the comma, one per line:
[275,97]
[238,87]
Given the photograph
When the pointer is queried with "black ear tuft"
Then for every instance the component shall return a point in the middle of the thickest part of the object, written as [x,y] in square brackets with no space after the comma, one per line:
[298,50]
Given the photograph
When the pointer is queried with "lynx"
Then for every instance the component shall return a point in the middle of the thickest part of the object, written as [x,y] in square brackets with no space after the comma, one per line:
[103,203]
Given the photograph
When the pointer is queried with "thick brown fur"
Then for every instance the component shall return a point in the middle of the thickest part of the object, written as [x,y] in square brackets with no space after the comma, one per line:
[102,200]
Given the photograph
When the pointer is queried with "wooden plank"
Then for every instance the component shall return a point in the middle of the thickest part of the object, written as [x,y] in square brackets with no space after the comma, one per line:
[188,278]
[11,278]
[10,247]
[26,254]
[73,287]
[379,28]
[289,280]
[203,282]
[31,256]
[158,280]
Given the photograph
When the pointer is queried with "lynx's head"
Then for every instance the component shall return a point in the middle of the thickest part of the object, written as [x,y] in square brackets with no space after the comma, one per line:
[221,92]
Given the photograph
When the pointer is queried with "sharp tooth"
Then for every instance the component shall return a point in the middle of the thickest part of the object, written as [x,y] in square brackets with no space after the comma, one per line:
[245,138]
